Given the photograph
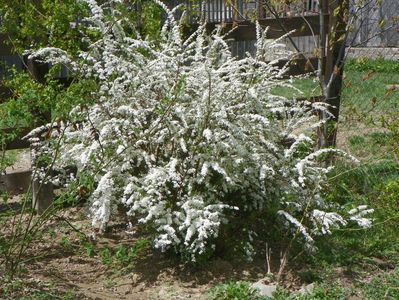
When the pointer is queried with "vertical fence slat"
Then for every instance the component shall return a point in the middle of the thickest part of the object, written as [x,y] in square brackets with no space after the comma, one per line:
[225,10]
[221,11]
[219,19]
[210,17]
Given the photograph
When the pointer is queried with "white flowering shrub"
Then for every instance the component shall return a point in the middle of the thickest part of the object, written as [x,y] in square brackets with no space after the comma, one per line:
[186,136]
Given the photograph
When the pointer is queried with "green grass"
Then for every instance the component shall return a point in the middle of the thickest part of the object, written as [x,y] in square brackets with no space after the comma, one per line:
[320,292]
[352,253]
[362,90]
[122,257]
[380,65]
[242,290]
[308,86]
[383,286]
[364,83]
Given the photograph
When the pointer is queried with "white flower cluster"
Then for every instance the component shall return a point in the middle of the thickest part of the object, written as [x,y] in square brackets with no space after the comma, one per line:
[180,129]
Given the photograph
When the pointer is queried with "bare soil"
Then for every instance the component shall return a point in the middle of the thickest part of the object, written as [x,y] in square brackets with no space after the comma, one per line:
[57,262]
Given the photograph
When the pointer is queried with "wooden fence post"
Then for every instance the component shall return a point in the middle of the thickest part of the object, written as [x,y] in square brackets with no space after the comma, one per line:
[42,192]
[42,195]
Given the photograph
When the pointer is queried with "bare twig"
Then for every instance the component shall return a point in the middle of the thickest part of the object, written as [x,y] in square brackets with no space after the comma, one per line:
[268,259]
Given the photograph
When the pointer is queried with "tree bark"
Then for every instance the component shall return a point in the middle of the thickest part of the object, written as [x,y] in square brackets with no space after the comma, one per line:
[333,68]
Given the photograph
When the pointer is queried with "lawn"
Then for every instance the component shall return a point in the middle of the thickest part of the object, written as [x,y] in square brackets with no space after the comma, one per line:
[365,83]
[364,263]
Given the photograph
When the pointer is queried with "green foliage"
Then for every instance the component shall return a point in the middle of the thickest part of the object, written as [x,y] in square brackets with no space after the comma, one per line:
[122,256]
[150,19]
[27,96]
[388,200]
[76,192]
[377,186]
[42,23]
[90,251]
[374,182]
[7,158]
[128,255]
[242,290]
[58,23]
[66,244]
[239,290]
[106,256]
[32,104]
[30,100]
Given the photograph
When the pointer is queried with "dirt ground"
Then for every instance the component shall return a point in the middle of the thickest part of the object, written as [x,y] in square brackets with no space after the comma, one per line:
[59,264]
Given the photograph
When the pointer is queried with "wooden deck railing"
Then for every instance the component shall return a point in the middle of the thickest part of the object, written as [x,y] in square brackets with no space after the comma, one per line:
[229,11]
[301,17]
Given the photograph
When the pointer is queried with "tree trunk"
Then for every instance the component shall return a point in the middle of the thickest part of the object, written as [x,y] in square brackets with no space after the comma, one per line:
[333,68]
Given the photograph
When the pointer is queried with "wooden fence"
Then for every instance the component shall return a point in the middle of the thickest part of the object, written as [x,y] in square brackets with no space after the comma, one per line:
[376,25]
[302,16]
[218,11]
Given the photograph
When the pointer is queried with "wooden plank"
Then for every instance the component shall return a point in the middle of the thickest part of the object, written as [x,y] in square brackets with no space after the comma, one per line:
[299,66]
[312,99]
[246,30]
[42,196]
[5,49]
[5,93]
[38,70]
[15,183]
[17,142]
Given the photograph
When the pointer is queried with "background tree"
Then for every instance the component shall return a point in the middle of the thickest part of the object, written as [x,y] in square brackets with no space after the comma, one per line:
[40,23]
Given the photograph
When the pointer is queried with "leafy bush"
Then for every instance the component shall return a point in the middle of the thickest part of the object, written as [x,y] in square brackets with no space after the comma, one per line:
[40,23]
[123,256]
[189,138]
[60,23]
[234,290]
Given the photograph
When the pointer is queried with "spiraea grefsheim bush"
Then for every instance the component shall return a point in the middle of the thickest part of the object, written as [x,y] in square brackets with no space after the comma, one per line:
[179,129]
